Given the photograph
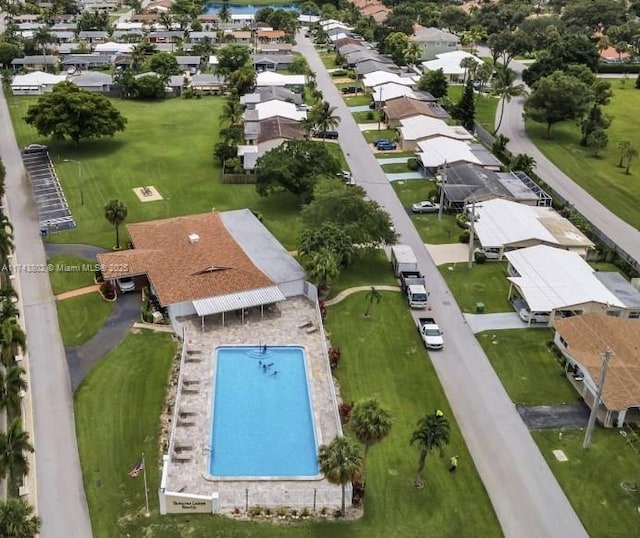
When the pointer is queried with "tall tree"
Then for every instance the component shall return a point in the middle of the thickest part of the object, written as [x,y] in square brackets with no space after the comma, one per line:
[324,117]
[395,44]
[322,268]
[6,232]
[556,98]
[17,519]
[522,163]
[13,341]
[370,423]
[165,64]
[469,65]
[116,212]
[505,88]
[341,462]
[432,433]
[243,79]
[434,82]
[14,444]
[629,153]
[69,112]
[12,382]
[329,236]
[231,112]
[231,58]
[623,146]
[465,110]
[224,15]
[413,53]
[597,141]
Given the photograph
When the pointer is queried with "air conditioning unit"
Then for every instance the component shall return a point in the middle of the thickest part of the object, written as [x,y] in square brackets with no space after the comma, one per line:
[157,317]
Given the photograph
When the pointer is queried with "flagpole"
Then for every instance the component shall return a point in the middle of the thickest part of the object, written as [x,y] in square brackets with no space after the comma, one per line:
[146,490]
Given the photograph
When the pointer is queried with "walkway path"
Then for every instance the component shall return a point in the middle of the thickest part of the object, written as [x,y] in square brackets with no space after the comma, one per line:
[359,108]
[77,292]
[448,253]
[403,176]
[350,291]
[524,492]
[393,160]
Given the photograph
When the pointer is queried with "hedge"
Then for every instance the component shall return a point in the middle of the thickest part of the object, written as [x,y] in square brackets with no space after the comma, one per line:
[630,69]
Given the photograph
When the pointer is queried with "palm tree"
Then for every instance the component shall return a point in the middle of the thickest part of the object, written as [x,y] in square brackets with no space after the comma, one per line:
[505,88]
[621,48]
[17,519]
[307,125]
[322,268]
[6,238]
[432,432]
[341,462]
[623,147]
[522,163]
[224,15]
[13,445]
[630,153]
[370,423]
[13,340]
[116,212]
[473,35]
[166,20]
[323,115]
[42,37]
[373,296]
[412,53]
[482,75]
[469,65]
[232,112]
[12,382]
[8,309]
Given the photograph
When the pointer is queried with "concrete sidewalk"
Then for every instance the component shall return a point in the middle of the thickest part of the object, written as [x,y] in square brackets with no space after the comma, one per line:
[448,253]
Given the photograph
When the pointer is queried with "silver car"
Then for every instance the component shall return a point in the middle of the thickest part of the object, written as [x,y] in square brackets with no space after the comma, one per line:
[425,207]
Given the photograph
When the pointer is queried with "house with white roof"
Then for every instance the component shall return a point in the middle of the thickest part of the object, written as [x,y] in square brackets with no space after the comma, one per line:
[502,225]
[449,62]
[113,48]
[418,128]
[435,152]
[383,77]
[269,78]
[560,283]
[270,109]
[36,83]
[384,92]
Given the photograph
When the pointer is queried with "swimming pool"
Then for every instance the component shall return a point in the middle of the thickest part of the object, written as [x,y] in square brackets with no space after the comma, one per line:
[262,424]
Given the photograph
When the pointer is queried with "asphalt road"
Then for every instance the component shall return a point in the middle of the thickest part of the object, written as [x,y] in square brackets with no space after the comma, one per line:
[62,504]
[622,234]
[525,495]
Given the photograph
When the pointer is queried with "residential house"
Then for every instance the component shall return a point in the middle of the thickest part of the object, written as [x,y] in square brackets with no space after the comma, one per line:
[189,63]
[356,43]
[331,25]
[128,36]
[354,57]
[271,62]
[199,37]
[378,12]
[63,36]
[93,81]
[113,49]
[165,36]
[129,26]
[269,134]
[560,283]
[381,93]
[611,56]
[274,48]
[308,20]
[36,83]
[269,78]
[270,109]
[27,18]
[271,36]
[449,62]
[86,61]
[240,36]
[434,41]
[371,66]
[148,20]
[93,37]
[268,93]
[464,181]
[418,128]
[207,84]
[435,152]
[205,264]
[583,340]
[403,107]
[35,63]
[502,225]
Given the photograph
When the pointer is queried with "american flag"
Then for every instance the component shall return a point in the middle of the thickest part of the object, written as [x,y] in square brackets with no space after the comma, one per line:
[135,471]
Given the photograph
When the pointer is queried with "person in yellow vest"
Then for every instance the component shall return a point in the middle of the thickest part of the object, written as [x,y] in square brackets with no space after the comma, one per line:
[453,464]
[439,413]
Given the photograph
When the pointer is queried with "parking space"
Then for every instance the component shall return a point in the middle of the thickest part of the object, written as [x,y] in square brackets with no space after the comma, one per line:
[55,215]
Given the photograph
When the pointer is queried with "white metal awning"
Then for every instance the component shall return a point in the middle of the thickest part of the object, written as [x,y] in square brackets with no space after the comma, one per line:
[236,301]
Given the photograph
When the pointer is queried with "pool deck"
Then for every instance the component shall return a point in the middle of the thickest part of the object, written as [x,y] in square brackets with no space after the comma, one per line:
[188,470]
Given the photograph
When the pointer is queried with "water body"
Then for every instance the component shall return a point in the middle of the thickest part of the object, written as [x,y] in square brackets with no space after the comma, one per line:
[215,7]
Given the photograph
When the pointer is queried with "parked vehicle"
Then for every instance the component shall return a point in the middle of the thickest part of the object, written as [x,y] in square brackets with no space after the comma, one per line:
[534,317]
[386,145]
[425,207]
[403,259]
[430,333]
[330,135]
[491,253]
[414,286]
[303,108]
[350,89]
[346,176]
[35,148]
[126,284]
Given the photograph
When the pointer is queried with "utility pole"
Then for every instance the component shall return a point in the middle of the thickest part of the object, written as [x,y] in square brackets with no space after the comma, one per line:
[443,181]
[380,108]
[606,356]
[471,232]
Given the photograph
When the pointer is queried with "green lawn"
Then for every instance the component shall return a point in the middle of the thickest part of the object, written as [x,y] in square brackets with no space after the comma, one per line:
[485,106]
[70,273]
[370,116]
[396,168]
[371,267]
[358,100]
[336,151]
[372,136]
[385,360]
[592,479]
[486,283]
[526,367]
[167,144]
[600,176]
[81,317]
[329,60]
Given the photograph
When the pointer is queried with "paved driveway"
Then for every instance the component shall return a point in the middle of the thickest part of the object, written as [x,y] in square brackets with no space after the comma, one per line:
[525,495]
[546,417]
[495,322]
[449,253]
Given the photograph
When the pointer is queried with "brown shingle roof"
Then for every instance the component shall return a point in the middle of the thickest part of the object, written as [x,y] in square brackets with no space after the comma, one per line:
[277,127]
[588,336]
[271,34]
[240,34]
[180,270]
[405,107]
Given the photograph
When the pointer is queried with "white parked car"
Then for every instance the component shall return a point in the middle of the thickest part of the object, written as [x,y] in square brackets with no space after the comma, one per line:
[425,207]
[534,317]
[126,284]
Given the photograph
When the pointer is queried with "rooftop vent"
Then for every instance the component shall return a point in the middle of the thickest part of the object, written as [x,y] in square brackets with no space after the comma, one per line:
[194,238]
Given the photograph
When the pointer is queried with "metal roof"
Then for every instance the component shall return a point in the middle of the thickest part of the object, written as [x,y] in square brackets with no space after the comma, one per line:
[236,301]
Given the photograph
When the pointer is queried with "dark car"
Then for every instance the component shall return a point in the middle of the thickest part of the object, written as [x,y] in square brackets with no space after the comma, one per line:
[386,145]
[331,135]
[350,89]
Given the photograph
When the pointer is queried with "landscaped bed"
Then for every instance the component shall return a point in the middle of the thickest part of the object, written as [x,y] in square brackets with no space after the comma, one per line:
[483,283]
[527,367]
[81,317]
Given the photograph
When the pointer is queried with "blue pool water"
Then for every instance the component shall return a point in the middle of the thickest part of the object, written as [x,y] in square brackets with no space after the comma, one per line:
[262,423]
[215,7]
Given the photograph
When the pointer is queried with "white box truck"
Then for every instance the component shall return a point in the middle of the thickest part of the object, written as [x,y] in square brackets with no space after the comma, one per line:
[403,259]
